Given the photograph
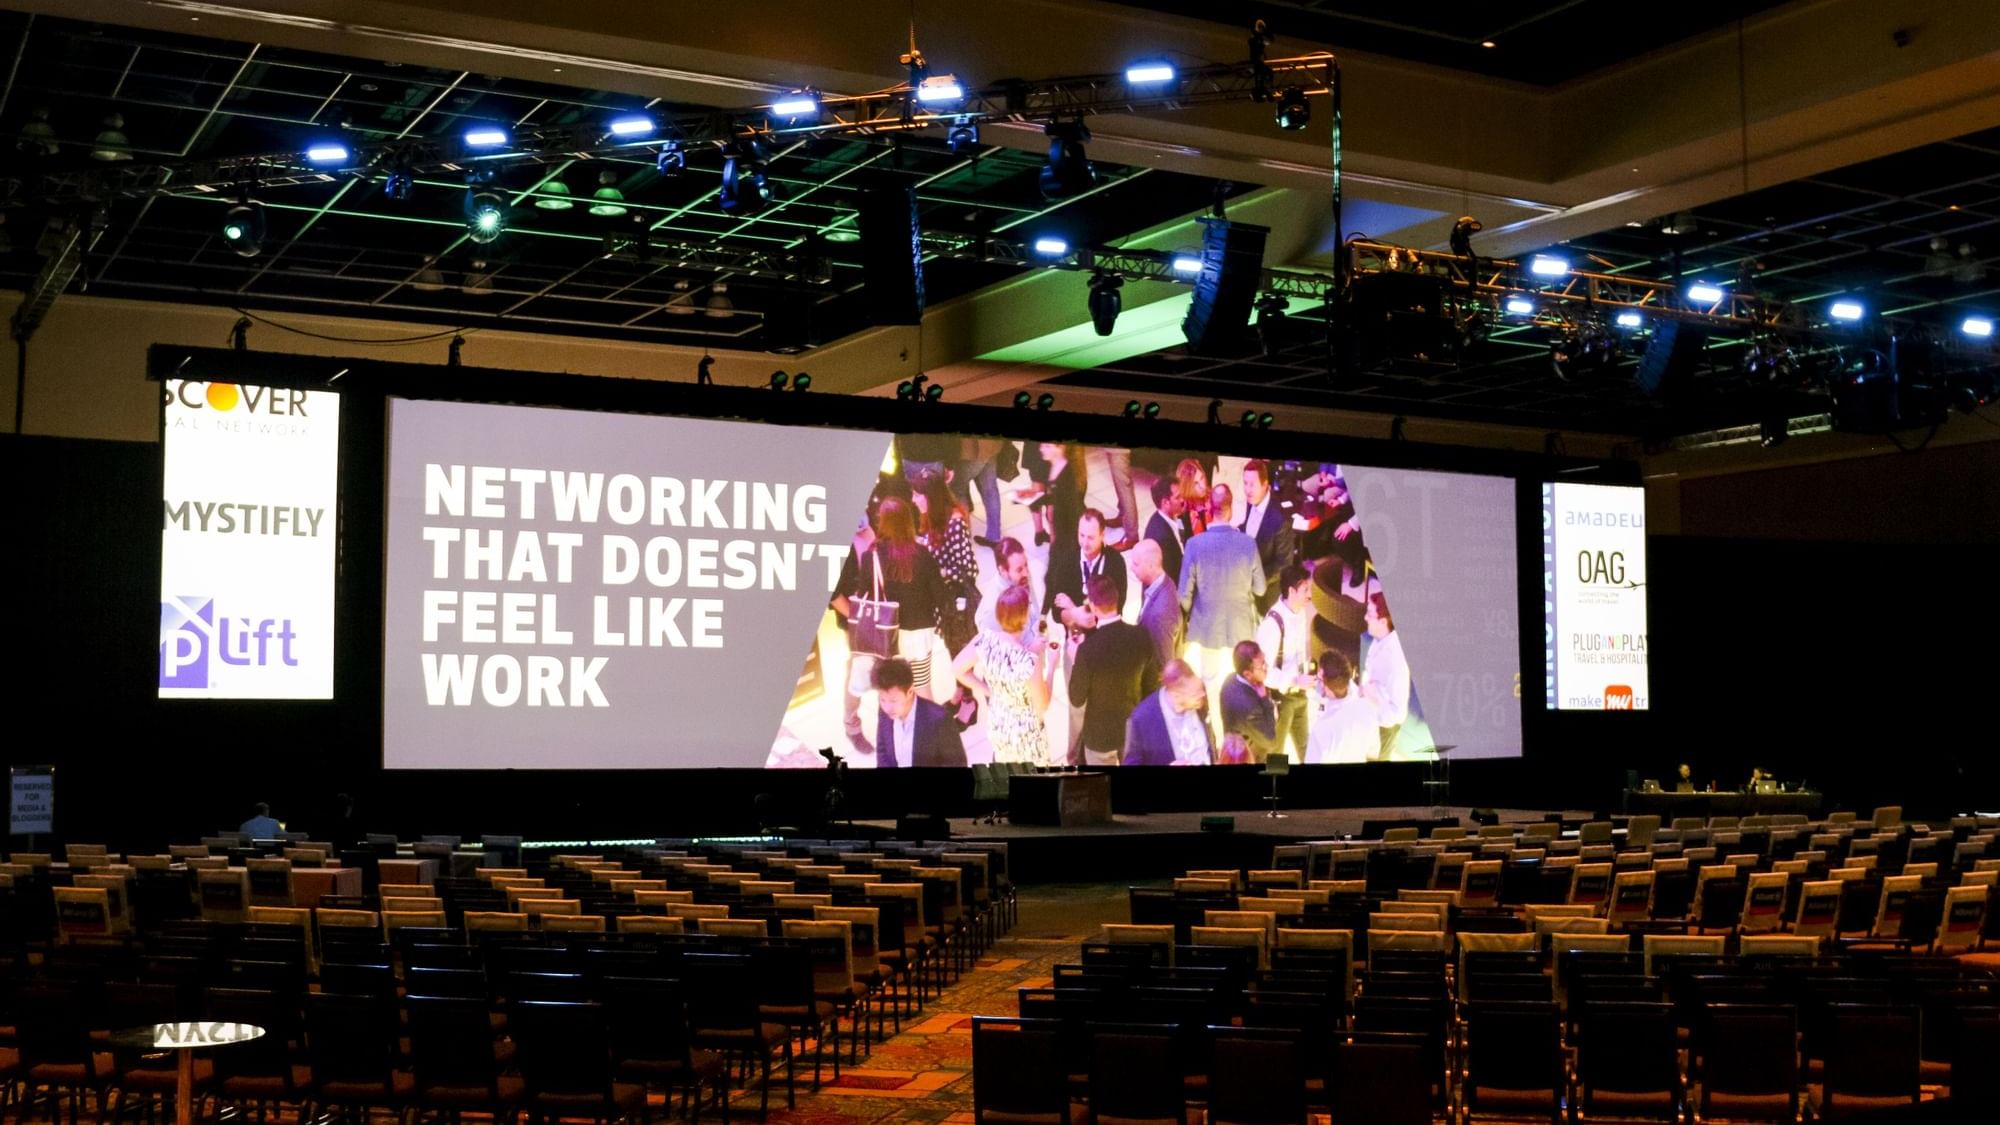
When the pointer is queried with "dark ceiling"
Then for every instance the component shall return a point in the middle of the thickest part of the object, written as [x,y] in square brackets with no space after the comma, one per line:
[342,246]
[1544,42]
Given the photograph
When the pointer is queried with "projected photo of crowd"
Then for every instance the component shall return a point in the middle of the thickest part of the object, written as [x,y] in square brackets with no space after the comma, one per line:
[1063,605]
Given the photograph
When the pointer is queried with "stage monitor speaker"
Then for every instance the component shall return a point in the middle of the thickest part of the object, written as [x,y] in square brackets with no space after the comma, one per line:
[1670,359]
[1218,824]
[1232,263]
[892,255]
[923,826]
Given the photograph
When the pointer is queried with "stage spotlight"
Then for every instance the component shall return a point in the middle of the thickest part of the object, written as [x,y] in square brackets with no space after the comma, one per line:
[635,126]
[485,136]
[1520,306]
[1068,170]
[962,138]
[553,195]
[607,202]
[906,390]
[744,188]
[1105,301]
[111,144]
[243,228]
[1702,293]
[940,89]
[485,216]
[1848,310]
[672,159]
[1629,319]
[1045,401]
[1249,419]
[797,105]
[1461,235]
[1147,72]
[1548,265]
[328,152]
[1186,263]
[1293,110]
[803,381]
[1132,408]
[1022,400]
[1152,410]
[779,379]
[1051,247]
[934,392]
[399,184]
[1977,326]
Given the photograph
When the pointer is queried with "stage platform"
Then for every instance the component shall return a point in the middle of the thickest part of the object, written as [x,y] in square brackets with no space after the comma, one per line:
[1161,845]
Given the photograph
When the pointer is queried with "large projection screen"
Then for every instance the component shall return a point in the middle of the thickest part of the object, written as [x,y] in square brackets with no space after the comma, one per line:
[247,541]
[583,590]
[1594,597]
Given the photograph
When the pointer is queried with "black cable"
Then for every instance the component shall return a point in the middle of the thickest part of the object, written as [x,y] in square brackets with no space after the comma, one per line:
[350,339]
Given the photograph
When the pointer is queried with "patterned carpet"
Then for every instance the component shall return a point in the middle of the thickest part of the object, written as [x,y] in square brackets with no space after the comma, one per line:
[924,1074]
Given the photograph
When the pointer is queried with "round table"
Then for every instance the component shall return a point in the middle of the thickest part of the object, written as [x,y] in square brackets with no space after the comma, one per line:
[185,1039]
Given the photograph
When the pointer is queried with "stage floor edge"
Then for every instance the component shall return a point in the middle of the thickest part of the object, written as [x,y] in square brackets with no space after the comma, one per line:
[1142,846]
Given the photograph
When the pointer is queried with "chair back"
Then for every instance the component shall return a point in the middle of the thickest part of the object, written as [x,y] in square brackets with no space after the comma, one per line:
[1479,885]
[1631,897]
[1679,945]
[1896,892]
[1965,908]
[864,925]
[84,913]
[494,921]
[1256,937]
[224,895]
[650,924]
[1764,903]
[1019,1072]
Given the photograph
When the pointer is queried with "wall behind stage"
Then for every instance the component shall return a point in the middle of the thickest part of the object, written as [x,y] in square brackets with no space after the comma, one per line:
[1851,665]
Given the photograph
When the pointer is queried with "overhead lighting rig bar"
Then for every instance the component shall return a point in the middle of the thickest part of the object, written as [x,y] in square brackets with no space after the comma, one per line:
[674,254]
[901,109]
[1498,278]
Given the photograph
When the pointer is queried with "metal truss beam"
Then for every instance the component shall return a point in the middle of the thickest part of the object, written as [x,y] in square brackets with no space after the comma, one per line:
[897,110]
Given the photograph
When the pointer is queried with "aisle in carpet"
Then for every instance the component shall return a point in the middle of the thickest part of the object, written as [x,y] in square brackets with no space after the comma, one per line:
[924,1074]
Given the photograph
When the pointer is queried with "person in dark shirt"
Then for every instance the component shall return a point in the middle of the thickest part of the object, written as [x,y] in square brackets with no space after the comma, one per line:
[1116,664]
[262,825]
[1248,711]
[1167,526]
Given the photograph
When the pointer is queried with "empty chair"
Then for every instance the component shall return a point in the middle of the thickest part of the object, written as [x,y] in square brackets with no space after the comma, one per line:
[1628,1061]
[1380,1079]
[563,1051]
[1873,1059]
[1749,1065]
[1256,1076]
[1514,1060]
[1019,1076]
[452,1057]
[1135,1074]
[653,1044]
[352,1049]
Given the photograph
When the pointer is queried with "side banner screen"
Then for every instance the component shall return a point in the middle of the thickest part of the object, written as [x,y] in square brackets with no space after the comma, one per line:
[1594,597]
[247,544]
[582,590]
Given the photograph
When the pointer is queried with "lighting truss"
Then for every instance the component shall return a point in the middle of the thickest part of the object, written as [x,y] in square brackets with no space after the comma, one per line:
[894,111]
[1495,279]
[672,254]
